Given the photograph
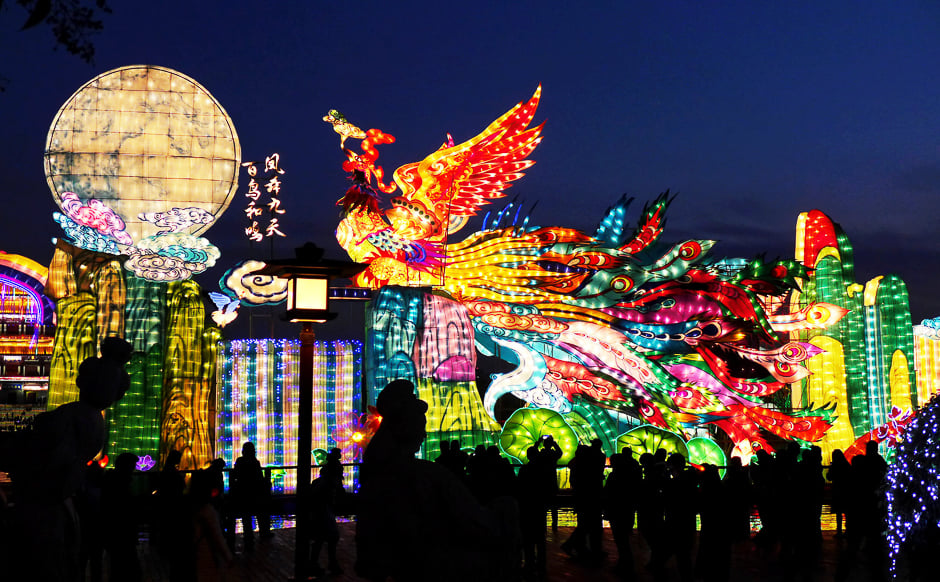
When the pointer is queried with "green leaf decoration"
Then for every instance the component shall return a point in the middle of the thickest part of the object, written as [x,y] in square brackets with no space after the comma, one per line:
[527,426]
[648,438]
[704,450]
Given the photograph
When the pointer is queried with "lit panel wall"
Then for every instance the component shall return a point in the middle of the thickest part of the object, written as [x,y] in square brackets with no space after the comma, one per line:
[822,245]
[135,420]
[257,401]
[184,416]
[428,340]
[927,359]
[828,384]
[75,339]
[898,341]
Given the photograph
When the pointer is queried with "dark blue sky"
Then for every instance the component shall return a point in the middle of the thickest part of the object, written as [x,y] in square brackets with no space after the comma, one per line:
[752,111]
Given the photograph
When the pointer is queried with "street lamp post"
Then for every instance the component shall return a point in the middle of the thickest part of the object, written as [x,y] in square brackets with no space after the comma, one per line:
[308,276]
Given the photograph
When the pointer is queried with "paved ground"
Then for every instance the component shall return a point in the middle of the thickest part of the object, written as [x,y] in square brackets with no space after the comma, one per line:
[272,560]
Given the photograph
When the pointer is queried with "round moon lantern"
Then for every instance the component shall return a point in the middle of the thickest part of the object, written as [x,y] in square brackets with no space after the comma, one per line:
[141,154]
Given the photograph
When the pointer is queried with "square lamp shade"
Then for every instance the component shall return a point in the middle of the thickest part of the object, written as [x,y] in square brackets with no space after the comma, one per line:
[308,299]
[308,281]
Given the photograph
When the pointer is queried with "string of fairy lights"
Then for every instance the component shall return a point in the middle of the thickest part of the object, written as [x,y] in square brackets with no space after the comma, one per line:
[913,488]
[257,401]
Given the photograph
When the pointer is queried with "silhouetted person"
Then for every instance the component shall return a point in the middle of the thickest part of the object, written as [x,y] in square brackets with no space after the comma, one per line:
[88,506]
[333,463]
[325,494]
[576,544]
[452,457]
[211,556]
[549,455]
[740,497]
[587,483]
[491,476]
[48,466]
[877,464]
[417,521]
[680,497]
[121,510]
[222,502]
[864,522]
[839,476]
[534,495]
[660,456]
[621,491]
[812,471]
[764,475]
[250,494]
[651,512]
[174,525]
[504,483]
[459,459]
[793,498]
[442,457]
[714,551]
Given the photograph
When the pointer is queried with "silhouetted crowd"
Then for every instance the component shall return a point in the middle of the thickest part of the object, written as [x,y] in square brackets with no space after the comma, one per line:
[191,521]
[673,505]
[466,516]
[15,421]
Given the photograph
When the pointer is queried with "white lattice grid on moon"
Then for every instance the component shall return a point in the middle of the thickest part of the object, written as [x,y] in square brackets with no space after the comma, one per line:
[144,139]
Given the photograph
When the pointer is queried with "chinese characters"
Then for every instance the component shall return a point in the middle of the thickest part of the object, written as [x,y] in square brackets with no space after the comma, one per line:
[266,182]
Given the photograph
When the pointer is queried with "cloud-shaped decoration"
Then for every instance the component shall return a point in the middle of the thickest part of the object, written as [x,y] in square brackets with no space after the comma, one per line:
[86,237]
[512,321]
[931,323]
[95,215]
[156,267]
[243,281]
[178,219]
[185,247]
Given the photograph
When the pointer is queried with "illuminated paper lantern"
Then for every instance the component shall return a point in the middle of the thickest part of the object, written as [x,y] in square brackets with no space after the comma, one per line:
[618,327]
[172,367]
[428,340]
[868,366]
[141,160]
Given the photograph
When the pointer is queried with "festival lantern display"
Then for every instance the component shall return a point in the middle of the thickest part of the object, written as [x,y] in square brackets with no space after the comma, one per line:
[428,340]
[609,330]
[172,367]
[141,160]
[257,400]
[616,334]
[612,330]
[867,367]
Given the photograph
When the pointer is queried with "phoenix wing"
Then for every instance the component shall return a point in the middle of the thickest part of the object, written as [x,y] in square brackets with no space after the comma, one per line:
[442,191]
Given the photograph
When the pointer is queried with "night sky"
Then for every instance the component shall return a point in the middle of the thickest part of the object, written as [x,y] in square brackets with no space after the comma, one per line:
[752,111]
